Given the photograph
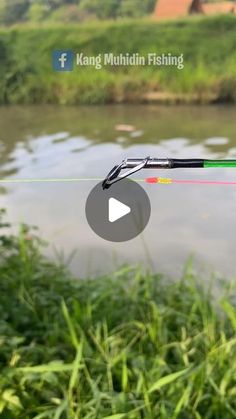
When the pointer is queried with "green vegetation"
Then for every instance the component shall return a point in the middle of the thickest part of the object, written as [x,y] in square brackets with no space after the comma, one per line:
[15,11]
[123,346]
[208,46]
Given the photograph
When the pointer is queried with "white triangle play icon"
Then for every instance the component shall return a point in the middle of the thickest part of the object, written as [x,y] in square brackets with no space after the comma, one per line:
[117,210]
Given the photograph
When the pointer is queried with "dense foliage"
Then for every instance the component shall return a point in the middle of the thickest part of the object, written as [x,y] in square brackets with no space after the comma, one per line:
[125,346]
[71,10]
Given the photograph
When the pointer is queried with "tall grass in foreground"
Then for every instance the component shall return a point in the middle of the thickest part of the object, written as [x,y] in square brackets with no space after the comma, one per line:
[123,346]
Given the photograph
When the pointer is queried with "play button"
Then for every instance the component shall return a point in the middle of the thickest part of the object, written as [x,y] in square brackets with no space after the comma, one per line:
[119,213]
[117,210]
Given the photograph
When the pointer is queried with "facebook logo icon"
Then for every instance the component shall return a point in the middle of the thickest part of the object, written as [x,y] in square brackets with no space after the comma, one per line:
[62,60]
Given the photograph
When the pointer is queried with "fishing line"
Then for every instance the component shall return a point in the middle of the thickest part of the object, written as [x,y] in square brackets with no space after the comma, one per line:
[169,181]
[56,180]
[50,180]
[135,165]
[151,180]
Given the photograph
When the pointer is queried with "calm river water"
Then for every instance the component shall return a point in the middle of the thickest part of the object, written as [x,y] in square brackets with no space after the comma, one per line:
[83,142]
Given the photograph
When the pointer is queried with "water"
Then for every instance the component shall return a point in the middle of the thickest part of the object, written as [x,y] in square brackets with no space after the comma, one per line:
[83,142]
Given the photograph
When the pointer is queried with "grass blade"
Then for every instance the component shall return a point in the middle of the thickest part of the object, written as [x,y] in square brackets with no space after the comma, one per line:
[167,379]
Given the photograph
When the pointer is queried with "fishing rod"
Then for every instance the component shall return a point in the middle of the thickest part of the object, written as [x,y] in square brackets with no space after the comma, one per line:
[135,165]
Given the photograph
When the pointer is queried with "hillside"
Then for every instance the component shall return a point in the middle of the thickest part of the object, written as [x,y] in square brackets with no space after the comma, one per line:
[207,44]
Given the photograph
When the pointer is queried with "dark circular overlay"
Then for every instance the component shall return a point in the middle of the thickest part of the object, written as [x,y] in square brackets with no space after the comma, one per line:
[127,227]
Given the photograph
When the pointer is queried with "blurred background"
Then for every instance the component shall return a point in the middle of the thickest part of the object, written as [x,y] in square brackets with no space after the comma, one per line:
[81,123]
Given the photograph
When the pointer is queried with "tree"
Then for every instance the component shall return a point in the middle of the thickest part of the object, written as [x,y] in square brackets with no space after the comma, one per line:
[13,11]
[103,9]
[131,8]
[37,12]
[150,5]
[108,9]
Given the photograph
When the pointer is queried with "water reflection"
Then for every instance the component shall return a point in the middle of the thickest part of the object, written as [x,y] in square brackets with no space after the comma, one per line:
[84,142]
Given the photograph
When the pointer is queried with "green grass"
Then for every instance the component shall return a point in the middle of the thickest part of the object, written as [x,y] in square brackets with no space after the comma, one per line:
[126,345]
[208,45]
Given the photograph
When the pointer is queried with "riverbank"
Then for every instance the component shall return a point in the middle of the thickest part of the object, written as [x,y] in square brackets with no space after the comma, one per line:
[207,45]
[125,345]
